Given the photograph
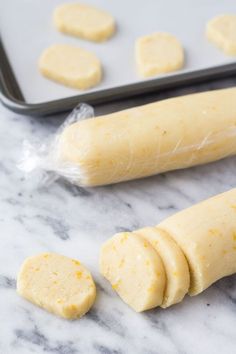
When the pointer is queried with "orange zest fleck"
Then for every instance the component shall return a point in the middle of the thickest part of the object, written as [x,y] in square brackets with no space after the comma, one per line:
[76,262]
[79,274]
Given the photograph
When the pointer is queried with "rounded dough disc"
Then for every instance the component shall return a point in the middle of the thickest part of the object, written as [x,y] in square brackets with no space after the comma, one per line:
[158,53]
[71,66]
[134,270]
[58,284]
[175,263]
[84,21]
[221,31]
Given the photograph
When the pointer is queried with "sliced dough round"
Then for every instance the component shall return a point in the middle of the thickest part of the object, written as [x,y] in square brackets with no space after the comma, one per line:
[58,284]
[158,53]
[175,263]
[84,21]
[134,270]
[221,31]
[71,66]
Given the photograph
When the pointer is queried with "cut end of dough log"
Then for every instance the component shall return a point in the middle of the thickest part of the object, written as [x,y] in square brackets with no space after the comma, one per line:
[158,53]
[71,66]
[221,31]
[84,21]
[134,270]
[58,284]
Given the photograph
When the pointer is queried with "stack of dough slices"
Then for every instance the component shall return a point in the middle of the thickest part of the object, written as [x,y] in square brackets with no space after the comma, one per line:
[184,254]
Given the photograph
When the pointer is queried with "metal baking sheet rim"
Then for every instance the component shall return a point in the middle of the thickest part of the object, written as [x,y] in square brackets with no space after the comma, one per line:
[12,97]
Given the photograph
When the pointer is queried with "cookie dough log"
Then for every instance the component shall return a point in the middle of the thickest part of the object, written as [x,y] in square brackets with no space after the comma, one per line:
[71,66]
[146,140]
[84,21]
[58,284]
[206,233]
[221,31]
[134,270]
[196,247]
[175,264]
[158,53]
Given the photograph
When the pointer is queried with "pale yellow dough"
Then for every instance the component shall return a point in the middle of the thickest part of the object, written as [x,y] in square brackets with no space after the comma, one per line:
[206,233]
[175,264]
[146,140]
[134,270]
[71,66]
[158,53]
[221,31]
[197,247]
[84,21]
[58,284]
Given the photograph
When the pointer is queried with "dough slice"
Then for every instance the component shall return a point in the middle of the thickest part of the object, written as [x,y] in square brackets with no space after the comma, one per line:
[221,31]
[158,53]
[176,266]
[71,66]
[134,270]
[206,233]
[58,284]
[84,21]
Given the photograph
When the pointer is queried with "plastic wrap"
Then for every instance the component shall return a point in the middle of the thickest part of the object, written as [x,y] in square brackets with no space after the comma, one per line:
[41,159]
[139,142]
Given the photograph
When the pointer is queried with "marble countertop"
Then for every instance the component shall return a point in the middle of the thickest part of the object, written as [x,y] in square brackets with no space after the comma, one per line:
[75,222]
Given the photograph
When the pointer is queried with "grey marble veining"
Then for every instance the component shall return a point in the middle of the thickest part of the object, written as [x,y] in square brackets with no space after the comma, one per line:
[75,222]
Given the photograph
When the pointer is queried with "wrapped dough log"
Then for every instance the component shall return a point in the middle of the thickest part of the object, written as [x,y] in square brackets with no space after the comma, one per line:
[202,236]
[142,141]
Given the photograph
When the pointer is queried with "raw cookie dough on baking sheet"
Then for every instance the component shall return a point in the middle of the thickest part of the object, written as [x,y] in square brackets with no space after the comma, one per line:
[84,21]
[71,66]
[189,27]
[221,31]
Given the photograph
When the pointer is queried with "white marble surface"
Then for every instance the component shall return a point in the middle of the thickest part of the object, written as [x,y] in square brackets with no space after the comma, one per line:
[75,221]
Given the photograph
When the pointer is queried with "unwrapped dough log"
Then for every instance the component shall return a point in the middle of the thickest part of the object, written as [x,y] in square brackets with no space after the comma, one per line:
[146,140]
[203,250]
[206,233]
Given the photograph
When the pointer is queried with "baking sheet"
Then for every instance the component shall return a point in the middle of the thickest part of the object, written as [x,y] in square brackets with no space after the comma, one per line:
[26,29]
